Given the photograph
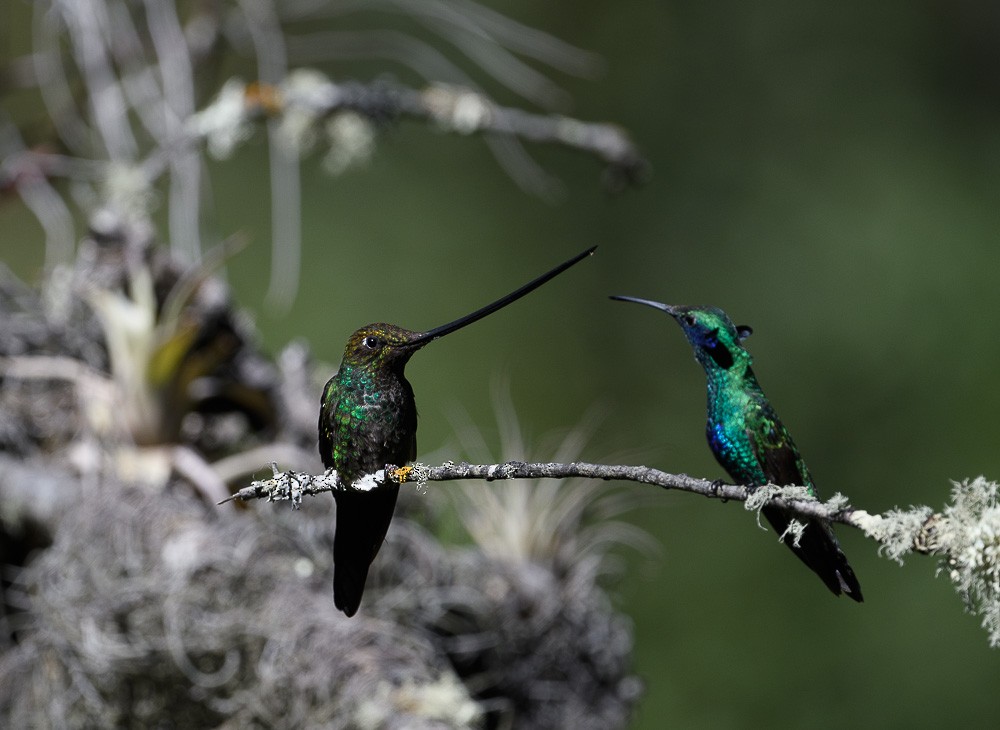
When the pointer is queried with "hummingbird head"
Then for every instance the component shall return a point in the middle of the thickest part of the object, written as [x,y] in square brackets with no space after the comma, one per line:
[717,342]
[381,345]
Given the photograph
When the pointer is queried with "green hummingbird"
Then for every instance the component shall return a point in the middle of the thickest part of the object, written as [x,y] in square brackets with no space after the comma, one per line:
[367,420]
[749,440]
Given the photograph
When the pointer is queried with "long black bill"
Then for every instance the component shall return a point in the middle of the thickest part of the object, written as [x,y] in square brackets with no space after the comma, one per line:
[648,302]
[498,304]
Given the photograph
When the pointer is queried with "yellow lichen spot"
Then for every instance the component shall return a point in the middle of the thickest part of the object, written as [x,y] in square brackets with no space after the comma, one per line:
[401,474]
[265,97]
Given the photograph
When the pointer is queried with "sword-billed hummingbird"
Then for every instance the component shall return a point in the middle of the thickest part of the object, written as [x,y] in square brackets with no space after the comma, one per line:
[749,440]
[367,420]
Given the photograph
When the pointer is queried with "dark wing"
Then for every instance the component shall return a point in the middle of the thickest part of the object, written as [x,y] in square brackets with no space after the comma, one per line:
[783,465]
[774,449]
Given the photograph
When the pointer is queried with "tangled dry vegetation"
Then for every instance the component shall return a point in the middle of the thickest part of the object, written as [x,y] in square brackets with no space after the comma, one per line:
[130,392]
[133,396]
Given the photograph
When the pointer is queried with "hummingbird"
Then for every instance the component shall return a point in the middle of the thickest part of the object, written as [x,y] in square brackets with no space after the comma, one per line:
[749,440]
[368,420]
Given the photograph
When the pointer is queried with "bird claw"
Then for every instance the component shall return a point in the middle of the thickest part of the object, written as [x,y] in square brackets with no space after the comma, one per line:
[717,485]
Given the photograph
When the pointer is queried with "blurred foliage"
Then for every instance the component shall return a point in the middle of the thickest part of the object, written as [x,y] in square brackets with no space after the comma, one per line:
[826,173]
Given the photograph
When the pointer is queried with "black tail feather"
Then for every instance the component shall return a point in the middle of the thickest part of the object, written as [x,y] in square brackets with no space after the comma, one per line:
[362,522]
[819,550]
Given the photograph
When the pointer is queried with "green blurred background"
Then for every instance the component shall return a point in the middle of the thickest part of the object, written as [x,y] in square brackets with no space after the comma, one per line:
[829,174]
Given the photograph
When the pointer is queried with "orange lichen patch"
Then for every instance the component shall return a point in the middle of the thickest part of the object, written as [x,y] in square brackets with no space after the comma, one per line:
[402,474]
[265,97]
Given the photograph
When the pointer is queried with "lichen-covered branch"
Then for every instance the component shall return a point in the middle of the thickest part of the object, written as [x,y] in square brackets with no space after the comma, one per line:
[312,106]
[293,486]
[965,534]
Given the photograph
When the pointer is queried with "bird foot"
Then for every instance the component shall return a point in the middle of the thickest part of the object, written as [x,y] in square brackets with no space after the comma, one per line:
[717,485]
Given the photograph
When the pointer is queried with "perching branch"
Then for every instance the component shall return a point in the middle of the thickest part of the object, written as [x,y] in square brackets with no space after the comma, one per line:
[965,534]
[294,485]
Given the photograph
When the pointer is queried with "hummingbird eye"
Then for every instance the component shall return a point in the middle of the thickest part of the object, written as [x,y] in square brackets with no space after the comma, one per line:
[689,320]
[372,342]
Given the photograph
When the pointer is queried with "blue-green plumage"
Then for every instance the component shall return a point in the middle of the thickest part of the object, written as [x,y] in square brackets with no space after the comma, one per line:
[749,440]
[368,420]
